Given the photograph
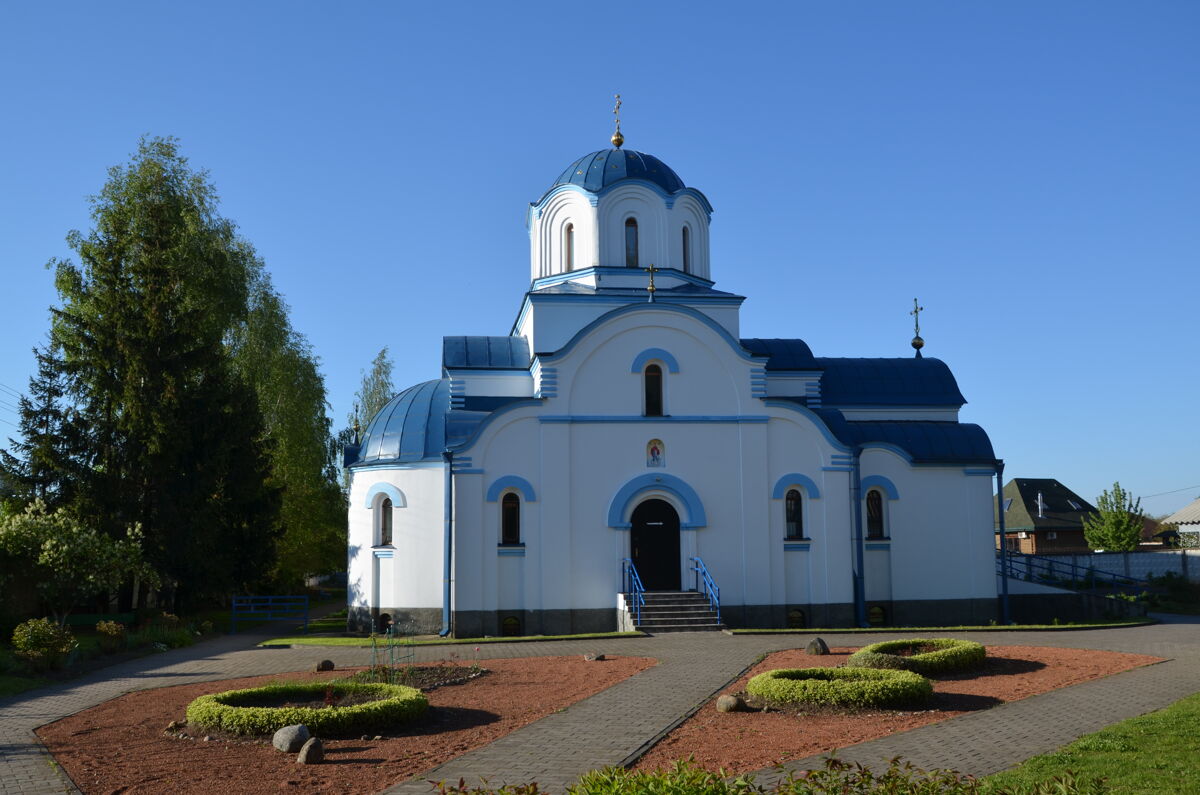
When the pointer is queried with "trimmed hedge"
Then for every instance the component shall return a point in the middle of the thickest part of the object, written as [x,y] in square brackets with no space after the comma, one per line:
[395,704]
[947,655]
[840,687]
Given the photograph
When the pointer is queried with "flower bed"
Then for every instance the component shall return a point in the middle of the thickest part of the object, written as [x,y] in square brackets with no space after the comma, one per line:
[925,656]
[240,711]
[840,687]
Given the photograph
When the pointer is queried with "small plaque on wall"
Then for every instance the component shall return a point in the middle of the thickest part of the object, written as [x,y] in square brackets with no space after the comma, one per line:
[656,453]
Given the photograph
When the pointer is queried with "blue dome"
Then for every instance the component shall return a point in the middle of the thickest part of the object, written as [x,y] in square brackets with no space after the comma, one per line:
[411,427]
[597,171]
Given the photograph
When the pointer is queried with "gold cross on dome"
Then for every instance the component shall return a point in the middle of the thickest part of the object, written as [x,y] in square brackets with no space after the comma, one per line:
[617,139]
[916,313]
[650,288]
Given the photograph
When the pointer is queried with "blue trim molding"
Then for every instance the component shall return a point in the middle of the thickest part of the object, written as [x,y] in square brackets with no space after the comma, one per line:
[388,489]
[879,545]
[594,418]
[795,546]
[622,501]
[500,485]
[881,483]
[795,479]
[639,362]
[383,552]
[510,550]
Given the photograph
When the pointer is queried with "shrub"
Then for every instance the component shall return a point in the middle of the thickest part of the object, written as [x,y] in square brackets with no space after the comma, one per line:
[233,710]
[42,643]
[157,634]
[926,656]
[111,635]
[840,687]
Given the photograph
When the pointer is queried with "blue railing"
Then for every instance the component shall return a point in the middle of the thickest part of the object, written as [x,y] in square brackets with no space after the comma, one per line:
[259,608]
[635,592]
[707,586]
[1048,571]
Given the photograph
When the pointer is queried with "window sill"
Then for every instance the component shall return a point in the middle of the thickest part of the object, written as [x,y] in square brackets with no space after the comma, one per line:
[510,550]
[796,544]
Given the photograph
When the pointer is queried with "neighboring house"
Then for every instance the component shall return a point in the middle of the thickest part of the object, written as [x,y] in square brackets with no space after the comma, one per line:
[616,424]
[1186,519]
[1043,517]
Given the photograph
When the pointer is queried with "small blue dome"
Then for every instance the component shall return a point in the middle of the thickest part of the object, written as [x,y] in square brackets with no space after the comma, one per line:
[597,171]
[410,427]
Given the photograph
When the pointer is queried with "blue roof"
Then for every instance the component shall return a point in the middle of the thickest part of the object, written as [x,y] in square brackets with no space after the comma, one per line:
[887,382]
[410,427]
[784,354]
[596,171]
[925,442]
[485,353]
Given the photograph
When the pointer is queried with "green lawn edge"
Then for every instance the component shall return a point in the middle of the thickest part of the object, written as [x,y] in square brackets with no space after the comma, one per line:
[1141,622]
[1151,753]
[366,642]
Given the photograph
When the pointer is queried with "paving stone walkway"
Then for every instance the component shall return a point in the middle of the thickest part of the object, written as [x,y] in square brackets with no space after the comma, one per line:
[616,725]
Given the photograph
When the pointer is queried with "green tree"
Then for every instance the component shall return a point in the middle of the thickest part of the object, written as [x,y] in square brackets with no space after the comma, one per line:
[1117,524]
[280,364]
[175,440]
[70,562]
[375,390]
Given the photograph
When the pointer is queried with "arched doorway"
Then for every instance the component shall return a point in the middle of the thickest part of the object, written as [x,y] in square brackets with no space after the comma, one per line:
[654,545]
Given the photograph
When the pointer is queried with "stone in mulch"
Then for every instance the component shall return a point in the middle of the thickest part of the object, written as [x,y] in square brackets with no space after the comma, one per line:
[816,646]
[312,752]
[730,703]
[324,665]
[593,656]
[290,738]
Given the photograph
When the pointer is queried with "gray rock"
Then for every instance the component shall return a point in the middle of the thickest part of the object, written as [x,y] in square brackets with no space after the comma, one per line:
[593,657]
[325,665]
[816,646]
[728,703]
[312,752]
[290,738]
[208,738]
[176,725]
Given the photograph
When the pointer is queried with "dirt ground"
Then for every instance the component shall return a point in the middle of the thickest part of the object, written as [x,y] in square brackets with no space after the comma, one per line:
[744,741]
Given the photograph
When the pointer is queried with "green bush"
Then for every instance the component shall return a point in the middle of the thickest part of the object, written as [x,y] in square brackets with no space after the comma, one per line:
[840,687]
[925,656]
[232,711]
[42,643]
[164,636]
[111,635]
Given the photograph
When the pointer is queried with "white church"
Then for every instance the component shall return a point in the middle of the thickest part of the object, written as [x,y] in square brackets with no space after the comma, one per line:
[623,441]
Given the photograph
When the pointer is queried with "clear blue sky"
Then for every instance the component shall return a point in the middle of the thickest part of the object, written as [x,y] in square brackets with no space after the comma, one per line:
[1029,170]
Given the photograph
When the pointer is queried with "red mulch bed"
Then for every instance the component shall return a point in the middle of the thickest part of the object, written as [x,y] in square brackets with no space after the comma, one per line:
[740,742]
[121,746]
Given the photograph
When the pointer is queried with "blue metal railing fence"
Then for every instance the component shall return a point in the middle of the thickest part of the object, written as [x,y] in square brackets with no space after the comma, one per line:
[635,592]
[707,586]
[259,608]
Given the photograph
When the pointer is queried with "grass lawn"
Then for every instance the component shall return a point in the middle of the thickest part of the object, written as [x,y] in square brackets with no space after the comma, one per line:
[309,640]
[1149,754]
[1112,624]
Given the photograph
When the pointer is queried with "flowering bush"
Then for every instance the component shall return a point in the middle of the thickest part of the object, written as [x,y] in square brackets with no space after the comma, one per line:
[112,636]
[42,643]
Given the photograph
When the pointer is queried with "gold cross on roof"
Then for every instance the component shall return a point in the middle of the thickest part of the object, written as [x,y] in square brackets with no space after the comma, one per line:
[650,288]
[617,139]
[916,313]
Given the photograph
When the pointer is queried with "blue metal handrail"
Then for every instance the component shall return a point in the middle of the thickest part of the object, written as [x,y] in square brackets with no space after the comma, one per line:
[1036,568]
[635,592]
[710,586]
[257,608]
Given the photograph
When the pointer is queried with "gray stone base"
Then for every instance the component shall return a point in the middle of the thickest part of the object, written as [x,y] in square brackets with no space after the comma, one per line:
[479,623]
[414,620]
[1048,608]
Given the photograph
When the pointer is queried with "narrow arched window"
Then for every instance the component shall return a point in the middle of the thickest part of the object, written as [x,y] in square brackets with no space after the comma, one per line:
[510,519]
[687,250]
[793,514]
[874,514]
[631,243]
[569,247]
[385,522]
[654,390]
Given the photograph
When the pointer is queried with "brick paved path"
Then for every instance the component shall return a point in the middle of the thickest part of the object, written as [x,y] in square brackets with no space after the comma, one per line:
[615,725]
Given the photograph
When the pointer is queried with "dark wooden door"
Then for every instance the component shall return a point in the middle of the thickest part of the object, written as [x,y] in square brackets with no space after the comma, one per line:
[654,545]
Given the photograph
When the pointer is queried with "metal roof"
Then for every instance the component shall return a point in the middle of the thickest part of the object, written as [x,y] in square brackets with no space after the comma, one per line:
[887,382]
[485,353]
[596,171]
[784,354]
[1188,514]
[925,442]
[410,427]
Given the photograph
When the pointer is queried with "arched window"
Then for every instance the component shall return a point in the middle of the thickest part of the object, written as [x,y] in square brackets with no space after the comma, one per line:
[654,390]
[510,519]
[687,250]
[569,247]
[631,243]
[385,522]
[793,514]
[875,514]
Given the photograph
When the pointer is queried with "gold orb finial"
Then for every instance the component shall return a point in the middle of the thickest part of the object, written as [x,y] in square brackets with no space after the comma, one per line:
[617,139]
[917,342]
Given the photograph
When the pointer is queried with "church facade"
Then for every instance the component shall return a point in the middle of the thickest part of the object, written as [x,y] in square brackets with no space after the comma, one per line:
[624,422]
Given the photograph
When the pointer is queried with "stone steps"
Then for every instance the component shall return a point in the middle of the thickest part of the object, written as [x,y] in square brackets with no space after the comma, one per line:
[677,611]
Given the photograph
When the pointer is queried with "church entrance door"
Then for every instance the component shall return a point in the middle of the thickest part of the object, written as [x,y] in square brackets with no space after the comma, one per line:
[654,545]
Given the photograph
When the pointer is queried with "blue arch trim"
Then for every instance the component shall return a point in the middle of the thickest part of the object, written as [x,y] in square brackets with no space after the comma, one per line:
[654,353]
[880,482]
[795,479]
[625,496]
[391,491]
[499,485]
